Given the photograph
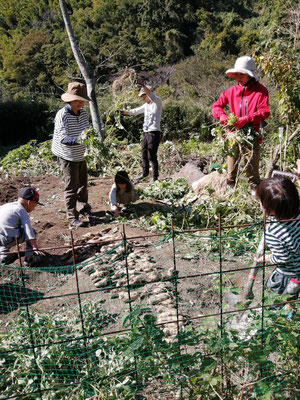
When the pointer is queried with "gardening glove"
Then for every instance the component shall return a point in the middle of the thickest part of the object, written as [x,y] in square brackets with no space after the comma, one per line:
[241,122]
[223,119]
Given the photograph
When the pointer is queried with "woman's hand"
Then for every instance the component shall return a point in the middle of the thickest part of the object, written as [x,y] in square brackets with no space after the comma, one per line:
[223,119]
[241,122]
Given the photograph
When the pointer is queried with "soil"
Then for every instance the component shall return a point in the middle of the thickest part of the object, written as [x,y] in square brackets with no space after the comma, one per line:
[53,285]
[50,221]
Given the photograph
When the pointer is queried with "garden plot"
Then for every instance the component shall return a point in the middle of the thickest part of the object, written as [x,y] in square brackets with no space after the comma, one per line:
[178,284]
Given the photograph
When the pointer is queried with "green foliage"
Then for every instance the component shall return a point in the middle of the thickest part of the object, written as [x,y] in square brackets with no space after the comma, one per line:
[121,366]
[24,120]
[29,160]
[170,191]
[35,52]
[278,55]
[282,65]
[180,119]
[185,214]
[202,77]
[58,358]
[230,140]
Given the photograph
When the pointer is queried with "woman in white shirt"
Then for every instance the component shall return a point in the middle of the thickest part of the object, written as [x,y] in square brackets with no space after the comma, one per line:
[152,110]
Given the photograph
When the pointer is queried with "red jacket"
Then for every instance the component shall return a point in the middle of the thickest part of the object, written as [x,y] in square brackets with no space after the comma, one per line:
[251,100]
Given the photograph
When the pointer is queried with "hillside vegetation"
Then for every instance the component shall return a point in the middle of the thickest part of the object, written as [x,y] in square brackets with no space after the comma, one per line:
[180,47]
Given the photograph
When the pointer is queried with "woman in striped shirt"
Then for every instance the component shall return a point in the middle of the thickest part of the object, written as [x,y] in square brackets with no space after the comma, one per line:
[279,198]
[70,123]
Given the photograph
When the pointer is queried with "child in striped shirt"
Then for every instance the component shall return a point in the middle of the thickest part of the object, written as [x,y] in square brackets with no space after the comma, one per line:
[279,198]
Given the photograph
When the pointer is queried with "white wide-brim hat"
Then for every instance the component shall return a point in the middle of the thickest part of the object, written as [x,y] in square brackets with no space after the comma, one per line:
[76,91]
[243,65]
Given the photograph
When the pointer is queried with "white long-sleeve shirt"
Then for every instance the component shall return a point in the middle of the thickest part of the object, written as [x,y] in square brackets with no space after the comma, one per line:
[113,193]
[152,113]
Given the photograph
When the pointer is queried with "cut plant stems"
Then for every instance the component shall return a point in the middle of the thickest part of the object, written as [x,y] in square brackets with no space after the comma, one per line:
[230,139]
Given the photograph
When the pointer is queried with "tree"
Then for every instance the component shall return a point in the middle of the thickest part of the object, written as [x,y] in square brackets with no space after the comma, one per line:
[88,76]
[278,56]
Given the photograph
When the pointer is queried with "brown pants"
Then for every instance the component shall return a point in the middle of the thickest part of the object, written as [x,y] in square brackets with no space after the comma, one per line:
[252,163]
[75,180]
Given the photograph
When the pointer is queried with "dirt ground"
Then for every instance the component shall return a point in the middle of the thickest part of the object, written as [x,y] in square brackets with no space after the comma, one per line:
[50,221]
[53,290]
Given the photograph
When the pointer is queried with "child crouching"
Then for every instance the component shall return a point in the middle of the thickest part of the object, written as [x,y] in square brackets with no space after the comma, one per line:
[279,198]
[122,191]
[15,223]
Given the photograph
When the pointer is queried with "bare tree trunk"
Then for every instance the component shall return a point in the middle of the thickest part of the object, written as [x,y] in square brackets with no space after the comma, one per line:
[89,80]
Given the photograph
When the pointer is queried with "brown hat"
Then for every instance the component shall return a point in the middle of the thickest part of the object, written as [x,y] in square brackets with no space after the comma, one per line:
[76,91]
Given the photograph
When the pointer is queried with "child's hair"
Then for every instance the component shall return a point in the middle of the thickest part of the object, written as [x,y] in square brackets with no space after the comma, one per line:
[279,197]
[122,177]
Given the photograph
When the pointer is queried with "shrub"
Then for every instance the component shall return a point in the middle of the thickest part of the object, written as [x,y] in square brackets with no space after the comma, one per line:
[30,159]
[180,119]
[24,120]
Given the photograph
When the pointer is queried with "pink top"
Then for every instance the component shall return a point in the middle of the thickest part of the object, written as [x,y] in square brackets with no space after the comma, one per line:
[251,100]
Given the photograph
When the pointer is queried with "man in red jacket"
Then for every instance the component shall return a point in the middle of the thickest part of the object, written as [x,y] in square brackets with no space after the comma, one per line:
[248,101]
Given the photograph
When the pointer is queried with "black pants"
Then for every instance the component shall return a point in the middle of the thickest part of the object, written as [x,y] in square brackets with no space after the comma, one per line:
[150,145]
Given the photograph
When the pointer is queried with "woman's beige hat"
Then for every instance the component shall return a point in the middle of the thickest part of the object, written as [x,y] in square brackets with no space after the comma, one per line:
[76,91]
[244,65]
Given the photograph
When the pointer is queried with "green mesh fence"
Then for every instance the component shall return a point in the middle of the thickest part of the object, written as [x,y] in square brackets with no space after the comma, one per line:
[151,316]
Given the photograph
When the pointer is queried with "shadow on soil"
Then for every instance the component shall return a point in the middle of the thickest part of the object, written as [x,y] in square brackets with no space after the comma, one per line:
[13,297]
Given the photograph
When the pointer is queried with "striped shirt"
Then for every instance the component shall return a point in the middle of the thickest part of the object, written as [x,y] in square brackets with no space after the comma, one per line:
[283,239]
[152,113]
[67,129]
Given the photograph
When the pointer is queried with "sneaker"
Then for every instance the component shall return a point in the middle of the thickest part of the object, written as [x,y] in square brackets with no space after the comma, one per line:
[32,260]
[75,223]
